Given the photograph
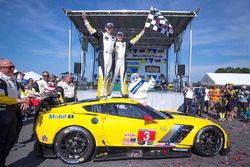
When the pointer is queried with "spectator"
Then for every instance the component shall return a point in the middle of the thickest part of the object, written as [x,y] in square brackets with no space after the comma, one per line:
[188,99]
[43,83]
[61,81]
[9,100]
[200,99]
[163,82]
[20,77]
[52,80]
[221,105]
[246,116]
[29,88]
[69,90]
[20,111]
[230,93]
[206,97]
[242,95]
[214,97]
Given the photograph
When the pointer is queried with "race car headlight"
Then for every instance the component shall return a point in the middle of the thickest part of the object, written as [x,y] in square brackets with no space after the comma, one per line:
[181,133]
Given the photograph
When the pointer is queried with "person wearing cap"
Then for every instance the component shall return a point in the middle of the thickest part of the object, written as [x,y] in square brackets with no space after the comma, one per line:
[106,42]
[9,101]
[120,60]
[137,89]
[21,83]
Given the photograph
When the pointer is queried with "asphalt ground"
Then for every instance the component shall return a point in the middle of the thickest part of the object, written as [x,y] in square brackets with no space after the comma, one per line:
[238,132]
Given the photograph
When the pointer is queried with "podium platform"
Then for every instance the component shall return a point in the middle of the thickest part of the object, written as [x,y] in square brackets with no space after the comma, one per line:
[160,100]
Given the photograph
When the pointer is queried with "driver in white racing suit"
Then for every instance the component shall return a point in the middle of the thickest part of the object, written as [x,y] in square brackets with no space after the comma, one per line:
[138,88]
[120,60]
[106,42]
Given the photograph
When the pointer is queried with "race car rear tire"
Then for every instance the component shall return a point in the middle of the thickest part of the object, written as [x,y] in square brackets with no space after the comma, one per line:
[74,145]
[209,141]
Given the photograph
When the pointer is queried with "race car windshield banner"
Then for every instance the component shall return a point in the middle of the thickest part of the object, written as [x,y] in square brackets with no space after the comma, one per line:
[157,22]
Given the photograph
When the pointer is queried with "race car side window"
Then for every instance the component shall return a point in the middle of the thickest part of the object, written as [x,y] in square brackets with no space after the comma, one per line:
[133,111]
[98,108]
[130,111]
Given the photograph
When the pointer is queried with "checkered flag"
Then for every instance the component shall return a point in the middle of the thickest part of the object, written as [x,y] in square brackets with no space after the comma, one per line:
[157,22]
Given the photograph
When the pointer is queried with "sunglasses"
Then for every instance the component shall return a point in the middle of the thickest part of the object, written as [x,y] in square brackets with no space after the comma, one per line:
[45,75]
[9,67]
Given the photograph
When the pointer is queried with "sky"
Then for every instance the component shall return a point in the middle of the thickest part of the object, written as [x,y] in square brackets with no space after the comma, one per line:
[34,33]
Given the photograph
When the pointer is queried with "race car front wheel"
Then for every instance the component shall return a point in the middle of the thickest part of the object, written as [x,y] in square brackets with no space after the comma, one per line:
[74,145]
[209,141]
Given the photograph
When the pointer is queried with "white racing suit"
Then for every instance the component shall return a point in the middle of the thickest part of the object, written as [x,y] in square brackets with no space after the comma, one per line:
[120,64]
[106,47]
[137,90]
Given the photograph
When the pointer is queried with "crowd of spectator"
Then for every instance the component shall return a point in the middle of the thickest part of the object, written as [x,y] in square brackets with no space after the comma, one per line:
[223,102]
[19,96]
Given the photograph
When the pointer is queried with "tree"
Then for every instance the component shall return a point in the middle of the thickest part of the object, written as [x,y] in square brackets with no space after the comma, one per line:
[233,70]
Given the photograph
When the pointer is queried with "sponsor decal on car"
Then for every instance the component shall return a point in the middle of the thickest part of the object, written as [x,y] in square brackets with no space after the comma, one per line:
[166,144]
[146,137]
[180,149]
[129,139]
[61,116]
[163,128]
[44,138]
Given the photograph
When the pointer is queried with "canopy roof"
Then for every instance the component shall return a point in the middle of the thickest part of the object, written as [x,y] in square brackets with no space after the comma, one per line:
[31,74]
[224,78]
[131,22]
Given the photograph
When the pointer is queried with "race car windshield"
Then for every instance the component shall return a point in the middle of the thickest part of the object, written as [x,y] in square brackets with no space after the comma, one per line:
[163,115]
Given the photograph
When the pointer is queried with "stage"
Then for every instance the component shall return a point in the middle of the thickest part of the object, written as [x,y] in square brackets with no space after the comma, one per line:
[160,100]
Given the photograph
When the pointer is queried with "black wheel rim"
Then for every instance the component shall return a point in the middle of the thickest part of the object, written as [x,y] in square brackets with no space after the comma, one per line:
[211,142]
[73,146]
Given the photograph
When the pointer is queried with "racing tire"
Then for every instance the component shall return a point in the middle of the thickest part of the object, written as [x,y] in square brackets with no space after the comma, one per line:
[74,145]
[208,142]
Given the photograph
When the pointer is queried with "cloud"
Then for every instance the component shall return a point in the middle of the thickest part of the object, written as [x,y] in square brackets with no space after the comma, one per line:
[38,28]
[227,34]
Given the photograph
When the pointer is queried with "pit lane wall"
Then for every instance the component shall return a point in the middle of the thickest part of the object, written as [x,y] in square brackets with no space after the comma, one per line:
[160,100]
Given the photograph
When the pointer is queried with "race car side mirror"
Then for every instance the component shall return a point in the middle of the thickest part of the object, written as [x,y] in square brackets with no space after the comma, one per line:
[147,118]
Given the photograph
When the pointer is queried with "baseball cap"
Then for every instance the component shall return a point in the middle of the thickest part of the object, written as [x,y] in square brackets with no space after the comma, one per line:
[119,33]
[16,71]
[109,25]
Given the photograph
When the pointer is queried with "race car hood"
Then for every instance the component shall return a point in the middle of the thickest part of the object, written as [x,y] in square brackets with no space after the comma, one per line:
[183,118]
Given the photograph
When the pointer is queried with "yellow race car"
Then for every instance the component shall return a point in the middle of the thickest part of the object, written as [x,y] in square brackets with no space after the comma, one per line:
[118,128]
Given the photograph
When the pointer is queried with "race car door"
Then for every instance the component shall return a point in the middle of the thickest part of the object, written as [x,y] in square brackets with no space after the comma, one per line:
[125,126]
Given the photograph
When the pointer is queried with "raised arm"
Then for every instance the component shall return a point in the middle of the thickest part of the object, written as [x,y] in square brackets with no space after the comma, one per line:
[90,29]
[137,37]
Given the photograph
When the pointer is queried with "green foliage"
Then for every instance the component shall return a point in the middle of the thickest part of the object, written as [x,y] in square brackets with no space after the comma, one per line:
[233,70]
